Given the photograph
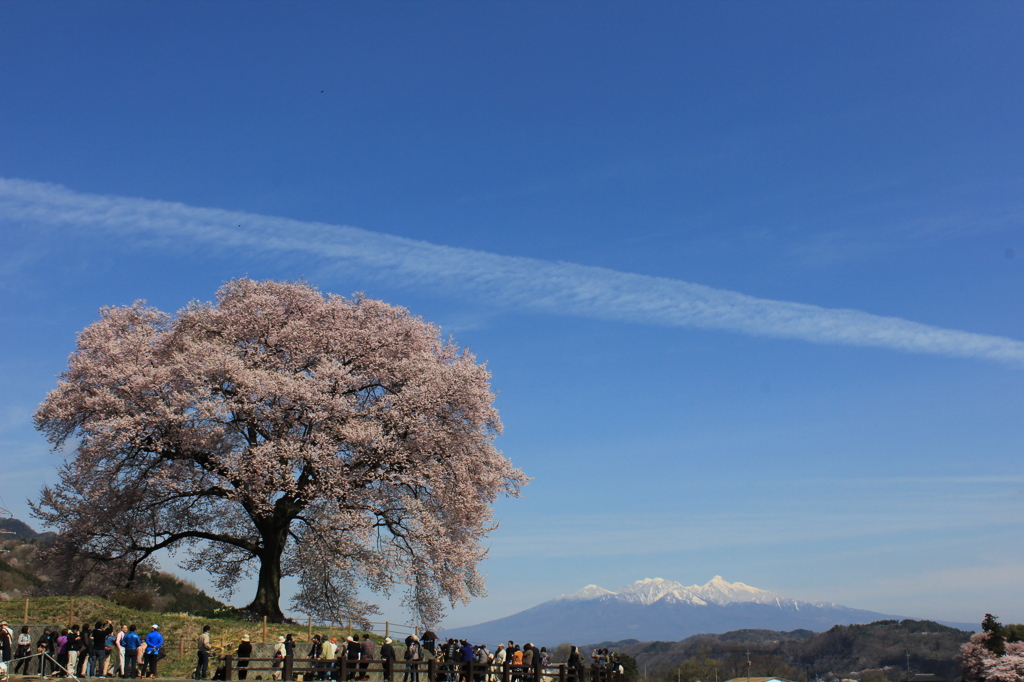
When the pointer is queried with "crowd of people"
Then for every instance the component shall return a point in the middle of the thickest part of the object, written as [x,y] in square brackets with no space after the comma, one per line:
[109,651]
[78,651]
[348,660]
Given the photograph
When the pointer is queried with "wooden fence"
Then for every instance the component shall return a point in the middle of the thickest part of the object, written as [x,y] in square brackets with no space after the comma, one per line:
[292,669]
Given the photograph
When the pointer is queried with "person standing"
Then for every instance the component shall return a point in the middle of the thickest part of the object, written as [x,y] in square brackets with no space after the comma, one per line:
[117,653]
[279,650]
[465,659]
[154,640]
[315,652]
[244,654]
[6,641]
[44,647]
[352,650]
[575,664]
[499,662]
[62,653]
[130,643]
[99,652]
[23,651]
[72,644]
[202,655]
[367,650]
[528,653]
[84,650]
[111,659]
[387,654]
[289,645]
[329,651]
[413,654]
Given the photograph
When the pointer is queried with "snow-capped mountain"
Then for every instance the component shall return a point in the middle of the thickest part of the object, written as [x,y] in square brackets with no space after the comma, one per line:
[716,591]
[658,609]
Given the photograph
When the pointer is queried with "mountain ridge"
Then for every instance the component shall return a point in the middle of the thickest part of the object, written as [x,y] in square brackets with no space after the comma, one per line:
[665,610]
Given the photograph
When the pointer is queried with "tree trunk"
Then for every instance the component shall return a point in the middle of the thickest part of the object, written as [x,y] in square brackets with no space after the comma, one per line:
[268,591]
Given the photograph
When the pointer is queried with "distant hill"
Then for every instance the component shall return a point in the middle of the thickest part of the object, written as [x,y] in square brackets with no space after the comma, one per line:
[873,651]
[23,574]
[14,528]
[657,609]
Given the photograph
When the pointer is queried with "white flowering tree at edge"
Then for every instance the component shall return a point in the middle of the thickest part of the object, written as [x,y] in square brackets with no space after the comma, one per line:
[283,432]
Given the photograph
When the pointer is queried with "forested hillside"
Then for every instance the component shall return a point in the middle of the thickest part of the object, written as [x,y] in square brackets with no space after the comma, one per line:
[874,653]
[26,571]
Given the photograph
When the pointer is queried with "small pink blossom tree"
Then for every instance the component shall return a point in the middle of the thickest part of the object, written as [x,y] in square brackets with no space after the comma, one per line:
[284,432]
[990,657]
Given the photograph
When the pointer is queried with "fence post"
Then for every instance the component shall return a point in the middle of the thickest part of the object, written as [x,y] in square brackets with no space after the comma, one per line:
[181,649]
[309,635]
[561,672]
[264,629]
[343,668]
[505,669]
[536,666]
[286,674]
[71,613]
[387,625]
[228,672]
[431,669]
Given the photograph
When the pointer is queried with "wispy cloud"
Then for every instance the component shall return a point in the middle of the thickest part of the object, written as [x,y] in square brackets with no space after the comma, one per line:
[513,282]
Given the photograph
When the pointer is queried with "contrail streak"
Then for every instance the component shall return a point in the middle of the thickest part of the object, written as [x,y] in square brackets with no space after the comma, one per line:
[513,282]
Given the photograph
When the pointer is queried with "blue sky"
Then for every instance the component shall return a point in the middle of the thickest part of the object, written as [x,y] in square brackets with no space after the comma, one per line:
[749,276]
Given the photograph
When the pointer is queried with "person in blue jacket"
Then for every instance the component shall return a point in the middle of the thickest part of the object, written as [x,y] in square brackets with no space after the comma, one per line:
[131,643]
[154,640]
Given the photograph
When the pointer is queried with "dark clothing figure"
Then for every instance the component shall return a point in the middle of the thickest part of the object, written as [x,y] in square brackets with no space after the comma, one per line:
[44,645]
[244,654]
[131,643]
[6,643]
[98,654]
[387,653]
[352,651]
[413,655]
[366,652]
[575,664]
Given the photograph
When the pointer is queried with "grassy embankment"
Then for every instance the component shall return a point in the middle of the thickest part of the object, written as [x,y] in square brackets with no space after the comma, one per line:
[180,630]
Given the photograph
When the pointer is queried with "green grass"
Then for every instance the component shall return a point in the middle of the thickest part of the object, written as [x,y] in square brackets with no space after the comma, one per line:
[180,630]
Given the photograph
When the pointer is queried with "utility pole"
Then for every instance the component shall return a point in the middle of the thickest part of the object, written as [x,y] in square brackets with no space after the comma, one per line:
[907,651]
[748,665]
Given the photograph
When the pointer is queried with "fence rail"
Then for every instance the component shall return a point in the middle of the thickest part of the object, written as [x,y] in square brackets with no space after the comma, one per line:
[292,669]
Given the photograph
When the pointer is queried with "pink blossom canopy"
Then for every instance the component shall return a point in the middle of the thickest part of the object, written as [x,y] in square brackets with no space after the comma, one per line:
[339,440]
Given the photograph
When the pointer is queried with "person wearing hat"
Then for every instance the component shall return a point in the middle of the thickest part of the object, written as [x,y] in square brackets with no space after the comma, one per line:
[279,652]
[413,655]
[244,654]
[154,640]
[387,654]
[352,651]
[316,649]
[6,641]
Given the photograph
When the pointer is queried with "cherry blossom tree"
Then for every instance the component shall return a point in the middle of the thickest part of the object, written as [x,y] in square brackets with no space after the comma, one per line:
[282,432]
[989,657]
